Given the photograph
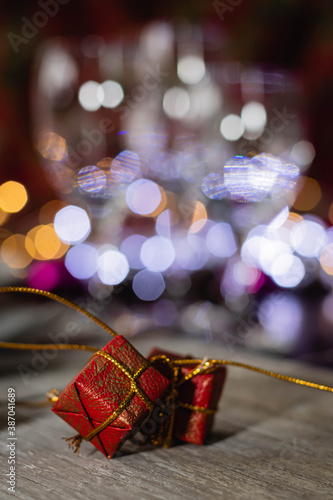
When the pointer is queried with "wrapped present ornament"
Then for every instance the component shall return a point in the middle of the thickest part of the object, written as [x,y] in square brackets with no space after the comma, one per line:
[118,389]
[197,388]
[111,396]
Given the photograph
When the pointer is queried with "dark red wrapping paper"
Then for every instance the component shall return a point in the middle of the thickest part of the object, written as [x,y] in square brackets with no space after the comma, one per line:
[98,390]
[203,390]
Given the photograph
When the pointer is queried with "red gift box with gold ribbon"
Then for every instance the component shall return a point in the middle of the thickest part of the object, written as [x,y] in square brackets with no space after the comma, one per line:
[112,395]
[196,394]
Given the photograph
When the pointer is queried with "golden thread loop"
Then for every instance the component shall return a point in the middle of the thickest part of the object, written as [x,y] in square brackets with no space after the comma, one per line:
[66,302]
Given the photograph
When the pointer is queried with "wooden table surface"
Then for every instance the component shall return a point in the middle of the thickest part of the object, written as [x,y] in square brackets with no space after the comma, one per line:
[271,440]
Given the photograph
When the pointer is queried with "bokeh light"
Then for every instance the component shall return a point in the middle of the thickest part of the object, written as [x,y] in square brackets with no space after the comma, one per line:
[51,146]
[14,251]
[232,128]
[326,259]
[143,196]
[176,102]
[308,238]
[47,245]
[91,179]
[282,316]
[213,186]
[113,94]
[72,224]
[3,217]
[148,285]
[112,267]
[199,217]
[309,196]
[191,69]
[287,271]
[131,248]
[91,96]
[191,252]
[48,211]
[43,275]
[125,169]
[221,240]
[157,253]
[254,116]
[81,261]
[13,197]
[303,153]
[47,242]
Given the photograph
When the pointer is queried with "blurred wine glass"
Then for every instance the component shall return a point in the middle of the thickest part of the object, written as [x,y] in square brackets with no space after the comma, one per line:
[166,153]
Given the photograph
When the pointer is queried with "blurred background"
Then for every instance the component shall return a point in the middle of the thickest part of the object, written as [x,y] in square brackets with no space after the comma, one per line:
[167,165]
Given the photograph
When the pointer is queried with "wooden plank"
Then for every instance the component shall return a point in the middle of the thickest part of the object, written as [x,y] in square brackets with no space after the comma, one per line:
[271,440]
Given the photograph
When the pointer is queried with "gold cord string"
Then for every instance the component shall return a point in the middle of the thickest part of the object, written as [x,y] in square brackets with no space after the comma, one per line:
[211,362]
[53,296]
[55,347]
[135,389]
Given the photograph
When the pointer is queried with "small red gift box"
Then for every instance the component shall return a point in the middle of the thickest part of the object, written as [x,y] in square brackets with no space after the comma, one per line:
[196,400]
[112,395]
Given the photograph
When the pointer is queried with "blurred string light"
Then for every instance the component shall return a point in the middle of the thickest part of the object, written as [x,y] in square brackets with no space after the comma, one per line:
[148,285]
[72,224]
[13,197]
[191,69]
[112,266]
[51,146]
[283,248]
[251,179]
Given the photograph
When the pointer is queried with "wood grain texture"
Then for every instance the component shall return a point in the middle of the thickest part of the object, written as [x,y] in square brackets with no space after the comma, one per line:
[271,440]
